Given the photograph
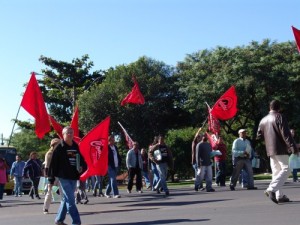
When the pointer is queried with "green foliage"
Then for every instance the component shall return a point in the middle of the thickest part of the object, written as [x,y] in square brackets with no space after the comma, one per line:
[143,122]
[260,73]
[26,141]
[63,82]
[180,142]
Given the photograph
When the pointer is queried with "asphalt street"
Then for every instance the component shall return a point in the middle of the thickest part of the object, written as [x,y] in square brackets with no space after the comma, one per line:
[183,206]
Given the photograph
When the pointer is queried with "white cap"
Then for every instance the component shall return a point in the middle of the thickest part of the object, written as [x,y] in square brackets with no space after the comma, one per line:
[242,130]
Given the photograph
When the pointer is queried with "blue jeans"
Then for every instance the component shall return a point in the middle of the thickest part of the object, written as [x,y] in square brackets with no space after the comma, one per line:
[295,176]
[18,186]
[98,184]
[162,169]
[221,172]
[155,174]
[146,177]
[206,172]
[112,181]
[67,203]
[197,177]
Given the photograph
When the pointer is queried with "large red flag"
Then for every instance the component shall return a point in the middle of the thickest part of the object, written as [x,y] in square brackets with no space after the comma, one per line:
[56,126]
[33,103]
[135,96]
[94,149]
[74,122]
[129,141]
[297,37]
[225,108]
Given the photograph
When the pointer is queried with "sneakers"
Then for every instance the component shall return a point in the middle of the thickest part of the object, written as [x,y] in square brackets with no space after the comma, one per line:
[128,191]
[101,194]
[271,195]
[283,199]
[117,196]
[85,201]
[107,196]
[140,191]
[45,211]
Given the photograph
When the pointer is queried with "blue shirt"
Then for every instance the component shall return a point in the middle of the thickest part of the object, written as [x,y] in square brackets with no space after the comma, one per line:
[17,168]
[240,146]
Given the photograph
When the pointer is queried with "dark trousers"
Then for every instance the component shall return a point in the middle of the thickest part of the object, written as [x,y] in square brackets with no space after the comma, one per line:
[134,172]
[221,172]
[34,186]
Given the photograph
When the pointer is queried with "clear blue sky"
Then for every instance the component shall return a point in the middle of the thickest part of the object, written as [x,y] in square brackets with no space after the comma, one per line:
[114,32]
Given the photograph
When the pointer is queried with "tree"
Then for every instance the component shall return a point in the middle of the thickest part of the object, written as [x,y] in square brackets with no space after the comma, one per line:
[157,115]
[64,82]
[260,73]
[26,141]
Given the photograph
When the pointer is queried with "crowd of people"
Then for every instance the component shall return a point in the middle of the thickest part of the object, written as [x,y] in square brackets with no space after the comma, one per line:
[64,164]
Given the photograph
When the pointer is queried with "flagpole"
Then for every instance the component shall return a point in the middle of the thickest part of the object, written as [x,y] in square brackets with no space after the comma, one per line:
[13,127]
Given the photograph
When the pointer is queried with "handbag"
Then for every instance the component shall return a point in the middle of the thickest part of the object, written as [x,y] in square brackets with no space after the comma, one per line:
[294,161]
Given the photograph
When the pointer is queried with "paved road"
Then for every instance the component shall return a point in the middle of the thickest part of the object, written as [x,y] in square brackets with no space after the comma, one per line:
[183,206]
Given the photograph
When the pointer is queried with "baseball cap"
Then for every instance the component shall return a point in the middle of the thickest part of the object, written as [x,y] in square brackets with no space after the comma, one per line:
[242,130]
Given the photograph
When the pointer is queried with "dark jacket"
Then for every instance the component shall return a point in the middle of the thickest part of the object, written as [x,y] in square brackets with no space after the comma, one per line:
[111,161]
[64,161]
[274,129]
[33,168]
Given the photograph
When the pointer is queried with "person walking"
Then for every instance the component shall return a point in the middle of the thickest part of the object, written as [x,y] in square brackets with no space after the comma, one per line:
[114,163]
[33,170]
[134,165]
[161,155]
[3,175]
[274,129]
[204,164]
[52,181]
[295,171]
[196,140]
[145,169]
[220,161]
[66,164]
[152,166]
[16,172]
[98,186]
[241,154]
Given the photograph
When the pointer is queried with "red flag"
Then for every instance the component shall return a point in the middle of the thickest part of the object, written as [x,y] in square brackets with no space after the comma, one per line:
[129,141]
[33,103]
[213,122]
[225,108]
[297,37]
[94,149]
[74,122]
[56,126]
[212,140]
[135,96]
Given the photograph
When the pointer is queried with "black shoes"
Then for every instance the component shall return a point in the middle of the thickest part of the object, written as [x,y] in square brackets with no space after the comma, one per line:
[251,188]
[231,187]
[271,195]
[211,190]
[283,199]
